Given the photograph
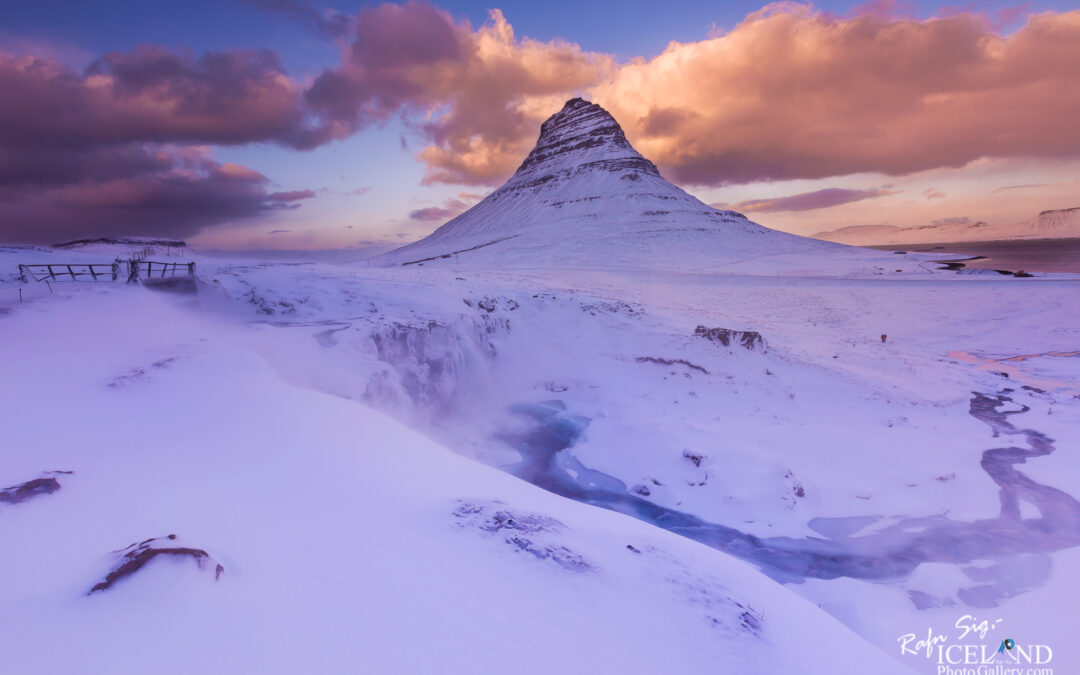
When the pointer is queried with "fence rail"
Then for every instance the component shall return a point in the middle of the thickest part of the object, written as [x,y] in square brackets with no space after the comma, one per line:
[72,272]
[152,269]
[137,269]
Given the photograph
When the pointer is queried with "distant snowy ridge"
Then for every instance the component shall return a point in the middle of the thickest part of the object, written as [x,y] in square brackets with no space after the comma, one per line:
[126,246]
[584,197]
[122,241]
[1052,224]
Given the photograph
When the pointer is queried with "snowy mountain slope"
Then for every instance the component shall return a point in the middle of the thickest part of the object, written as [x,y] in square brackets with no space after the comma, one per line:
[585,198]
[347,543]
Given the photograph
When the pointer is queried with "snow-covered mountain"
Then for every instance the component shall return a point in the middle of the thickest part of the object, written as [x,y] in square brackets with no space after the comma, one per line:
[1053,224]
[585,198]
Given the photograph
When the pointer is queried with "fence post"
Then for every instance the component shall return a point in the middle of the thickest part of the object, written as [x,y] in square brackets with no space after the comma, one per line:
[191,269]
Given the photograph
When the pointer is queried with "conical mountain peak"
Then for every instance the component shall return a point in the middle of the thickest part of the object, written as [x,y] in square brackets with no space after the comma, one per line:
[584,197]
[582,136]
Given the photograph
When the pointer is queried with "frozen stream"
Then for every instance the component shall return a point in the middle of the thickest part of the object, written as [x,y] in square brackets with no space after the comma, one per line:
[1017,546]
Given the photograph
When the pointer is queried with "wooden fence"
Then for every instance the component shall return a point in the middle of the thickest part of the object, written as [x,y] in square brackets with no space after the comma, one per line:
[136,269]
[72,272]
[152,269]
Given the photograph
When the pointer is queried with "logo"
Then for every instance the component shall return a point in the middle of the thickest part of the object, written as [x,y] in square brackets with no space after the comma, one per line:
[968,651]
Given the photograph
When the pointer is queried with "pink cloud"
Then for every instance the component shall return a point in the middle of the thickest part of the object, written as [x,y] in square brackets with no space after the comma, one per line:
[789,93]
[796,93]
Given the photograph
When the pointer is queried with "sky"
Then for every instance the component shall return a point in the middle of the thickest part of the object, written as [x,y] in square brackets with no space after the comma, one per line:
[283,124]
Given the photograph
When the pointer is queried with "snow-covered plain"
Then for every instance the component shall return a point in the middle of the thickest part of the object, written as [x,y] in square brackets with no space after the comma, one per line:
[243,419]
[490,454]
[348,542]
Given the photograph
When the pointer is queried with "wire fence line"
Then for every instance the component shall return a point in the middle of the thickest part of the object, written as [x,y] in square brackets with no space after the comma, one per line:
[136,268]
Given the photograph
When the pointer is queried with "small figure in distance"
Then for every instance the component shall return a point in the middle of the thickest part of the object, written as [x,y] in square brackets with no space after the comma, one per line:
[884,337]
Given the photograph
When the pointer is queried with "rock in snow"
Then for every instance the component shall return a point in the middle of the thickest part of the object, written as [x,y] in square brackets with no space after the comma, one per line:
[135,556]
[747,339]
[44,485]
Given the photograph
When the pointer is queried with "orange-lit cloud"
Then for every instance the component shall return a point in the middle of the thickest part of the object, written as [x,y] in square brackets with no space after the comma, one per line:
[790,92]
[476,96]
[796,93]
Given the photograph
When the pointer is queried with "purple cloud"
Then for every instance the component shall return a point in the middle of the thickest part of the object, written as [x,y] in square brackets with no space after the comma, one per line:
[291,196]
[185,193]
[808,201]
[449,209]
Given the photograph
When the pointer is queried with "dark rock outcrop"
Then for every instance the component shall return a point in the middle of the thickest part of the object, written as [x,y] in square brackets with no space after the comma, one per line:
[543,532]
[135,556]
[579,126]
[747,339]
[45,485]
[670,362]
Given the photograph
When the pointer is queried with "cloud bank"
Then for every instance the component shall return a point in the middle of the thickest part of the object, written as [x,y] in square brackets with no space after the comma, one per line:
[808,201]
[789,93]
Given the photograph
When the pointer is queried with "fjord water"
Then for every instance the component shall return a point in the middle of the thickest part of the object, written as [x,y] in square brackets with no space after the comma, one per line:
[1029,255]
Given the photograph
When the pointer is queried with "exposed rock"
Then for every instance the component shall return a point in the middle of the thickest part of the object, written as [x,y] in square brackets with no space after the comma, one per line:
[693,457]
[489,304]
[135,556]
[513,526]
[747,339]
[32,488]
[670,362]
[579,126]
[616,307]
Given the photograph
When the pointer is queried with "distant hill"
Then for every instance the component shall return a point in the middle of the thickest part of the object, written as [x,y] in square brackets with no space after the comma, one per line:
[1054,224]
[122,241]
